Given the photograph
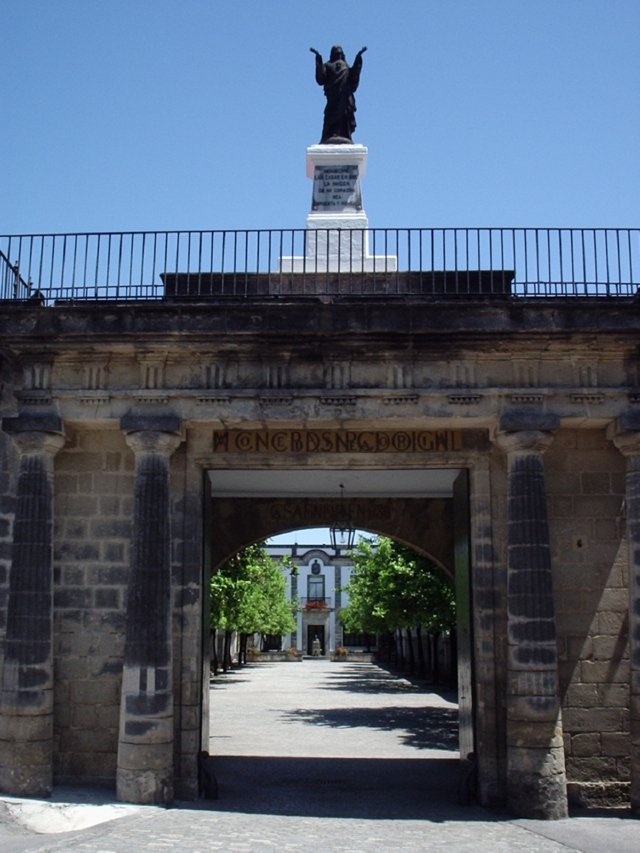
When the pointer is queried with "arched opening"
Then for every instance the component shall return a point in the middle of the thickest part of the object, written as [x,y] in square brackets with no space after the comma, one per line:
[426,513]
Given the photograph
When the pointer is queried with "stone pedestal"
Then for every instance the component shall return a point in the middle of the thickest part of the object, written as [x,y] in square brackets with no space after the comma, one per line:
[145,746]
[26,706]
[337,237]
[536,778]
[626,437]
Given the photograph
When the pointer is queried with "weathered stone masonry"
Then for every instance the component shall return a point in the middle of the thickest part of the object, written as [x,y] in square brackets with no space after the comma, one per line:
[627,439]
[26,724]
[93,511]
[536,781]
[585,492]
[107,440]
[145,747]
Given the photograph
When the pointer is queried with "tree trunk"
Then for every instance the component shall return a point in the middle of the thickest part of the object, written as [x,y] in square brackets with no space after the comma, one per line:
[436,658]
[412,661]
[429,656]
[392,641]
[214,651]
[453,641]
[226,654]
[422,667]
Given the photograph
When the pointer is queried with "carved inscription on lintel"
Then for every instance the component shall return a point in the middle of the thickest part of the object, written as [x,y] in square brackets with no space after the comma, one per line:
[336,441]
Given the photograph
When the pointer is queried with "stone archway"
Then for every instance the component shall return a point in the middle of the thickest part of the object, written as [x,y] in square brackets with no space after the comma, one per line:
[425,524]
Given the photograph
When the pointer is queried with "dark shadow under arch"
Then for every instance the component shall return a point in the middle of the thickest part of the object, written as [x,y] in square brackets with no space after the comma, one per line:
[424,524]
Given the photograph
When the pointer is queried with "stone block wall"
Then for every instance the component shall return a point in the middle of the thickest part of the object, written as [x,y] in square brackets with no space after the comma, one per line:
[585,492]
[188,585]
[93,498]
[93,503]
[490,607]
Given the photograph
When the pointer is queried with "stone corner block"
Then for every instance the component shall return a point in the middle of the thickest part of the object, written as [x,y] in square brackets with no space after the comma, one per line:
[132,422]
[517,420]
[33,422]
[626,422]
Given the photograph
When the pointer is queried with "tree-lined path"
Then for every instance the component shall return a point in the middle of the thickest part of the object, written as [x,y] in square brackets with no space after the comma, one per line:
[321,738]
[319,756]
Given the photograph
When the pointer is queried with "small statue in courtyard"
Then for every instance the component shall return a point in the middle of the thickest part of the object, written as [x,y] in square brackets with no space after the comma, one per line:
[316,647]
[340,82]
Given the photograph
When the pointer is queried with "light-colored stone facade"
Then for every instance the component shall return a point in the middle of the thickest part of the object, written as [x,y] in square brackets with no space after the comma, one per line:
[539,392]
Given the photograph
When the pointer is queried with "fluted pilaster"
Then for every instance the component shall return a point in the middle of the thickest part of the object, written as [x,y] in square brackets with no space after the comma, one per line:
[145,747]
[26,720]
[536,779]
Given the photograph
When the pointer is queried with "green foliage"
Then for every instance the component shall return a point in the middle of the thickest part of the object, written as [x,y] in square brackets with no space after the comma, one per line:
[248,595]
[392,587]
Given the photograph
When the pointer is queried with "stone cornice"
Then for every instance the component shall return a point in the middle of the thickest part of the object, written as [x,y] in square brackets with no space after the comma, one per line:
[472,407]
[423,323]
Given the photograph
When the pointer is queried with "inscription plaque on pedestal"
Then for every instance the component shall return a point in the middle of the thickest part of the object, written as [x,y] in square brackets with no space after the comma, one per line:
[336,188]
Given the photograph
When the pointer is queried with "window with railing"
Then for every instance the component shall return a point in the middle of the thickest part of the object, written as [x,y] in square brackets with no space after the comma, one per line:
[315,588]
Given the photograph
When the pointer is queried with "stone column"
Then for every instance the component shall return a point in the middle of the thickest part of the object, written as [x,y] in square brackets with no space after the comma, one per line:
[536,780]
[627,440]
[26,721]
[145,747]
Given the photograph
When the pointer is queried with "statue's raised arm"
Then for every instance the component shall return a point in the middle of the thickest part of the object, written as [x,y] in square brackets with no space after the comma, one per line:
[340,82]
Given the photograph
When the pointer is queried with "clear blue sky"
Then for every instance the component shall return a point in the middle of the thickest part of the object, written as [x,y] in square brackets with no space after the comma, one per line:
[159,114]
[311,536]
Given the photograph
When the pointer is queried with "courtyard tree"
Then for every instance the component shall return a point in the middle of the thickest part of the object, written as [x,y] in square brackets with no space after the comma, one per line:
[248,596]
[393,589]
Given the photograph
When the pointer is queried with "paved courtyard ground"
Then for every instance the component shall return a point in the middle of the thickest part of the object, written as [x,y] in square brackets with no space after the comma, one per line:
[314,756]
[333,739]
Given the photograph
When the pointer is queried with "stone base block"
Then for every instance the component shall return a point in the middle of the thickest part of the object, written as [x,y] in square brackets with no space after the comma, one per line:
[337,235]
[21,776]
[338,243]
[606,795]
[537,783]
[538,797]
[144,787]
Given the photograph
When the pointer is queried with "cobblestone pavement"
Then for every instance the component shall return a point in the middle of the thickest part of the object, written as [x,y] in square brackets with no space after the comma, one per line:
[318,756]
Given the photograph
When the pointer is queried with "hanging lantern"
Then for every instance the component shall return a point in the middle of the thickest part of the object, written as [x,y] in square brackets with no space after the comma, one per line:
[341,532]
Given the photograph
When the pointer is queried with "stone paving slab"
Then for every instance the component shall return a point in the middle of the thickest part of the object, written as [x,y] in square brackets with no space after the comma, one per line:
[325,756]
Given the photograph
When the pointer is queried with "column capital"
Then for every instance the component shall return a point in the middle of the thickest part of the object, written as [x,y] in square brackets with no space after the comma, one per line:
[152,433]
[628,443]
[624,432]
[163,443]
[40,433]
[524,441]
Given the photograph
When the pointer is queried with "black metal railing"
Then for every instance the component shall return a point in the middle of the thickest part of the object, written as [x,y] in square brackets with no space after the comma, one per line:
[315,603]
[518,262]
[12,285]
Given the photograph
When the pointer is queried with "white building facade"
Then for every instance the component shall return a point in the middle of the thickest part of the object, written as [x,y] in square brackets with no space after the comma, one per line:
[317,584]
